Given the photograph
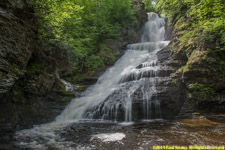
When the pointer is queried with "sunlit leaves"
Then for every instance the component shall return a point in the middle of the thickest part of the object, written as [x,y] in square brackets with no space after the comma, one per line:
[83,25]
[203,21]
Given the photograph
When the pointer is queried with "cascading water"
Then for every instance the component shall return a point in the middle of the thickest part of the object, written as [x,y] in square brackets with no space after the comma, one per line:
[125,92]
[131,90]
[113,96]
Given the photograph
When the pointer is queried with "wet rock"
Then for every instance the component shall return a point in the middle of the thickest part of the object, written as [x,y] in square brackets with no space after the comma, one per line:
[30,93]
[195,66]
[169,32]
[39,84]
[15,43]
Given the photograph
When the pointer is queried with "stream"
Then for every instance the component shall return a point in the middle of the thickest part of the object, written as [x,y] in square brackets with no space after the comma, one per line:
[96,135]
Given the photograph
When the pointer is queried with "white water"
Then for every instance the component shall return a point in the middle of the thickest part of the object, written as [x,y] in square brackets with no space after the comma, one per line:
[113,93]
[110,137]
[69,86]
[113,96]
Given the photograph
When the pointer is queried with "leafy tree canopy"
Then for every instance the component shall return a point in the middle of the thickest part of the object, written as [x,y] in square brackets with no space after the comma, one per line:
[83,26]
[199,22]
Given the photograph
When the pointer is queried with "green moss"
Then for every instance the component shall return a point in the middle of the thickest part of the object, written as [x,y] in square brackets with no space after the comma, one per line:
[36,68]
[61,89]
[82,87]
[19,93]
[60,85]
[183,68]
[15,70]
[200,92]
[175,81]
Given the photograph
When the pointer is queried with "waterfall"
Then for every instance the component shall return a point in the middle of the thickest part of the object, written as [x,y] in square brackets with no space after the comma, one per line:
[127,91]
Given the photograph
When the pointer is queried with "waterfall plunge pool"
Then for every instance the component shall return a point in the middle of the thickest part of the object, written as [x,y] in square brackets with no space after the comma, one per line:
[87,135]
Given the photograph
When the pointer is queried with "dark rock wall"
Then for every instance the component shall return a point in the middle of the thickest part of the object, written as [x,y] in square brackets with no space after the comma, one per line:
[16,40]
[17,35]
[171,91]
[30,92]
[200,74]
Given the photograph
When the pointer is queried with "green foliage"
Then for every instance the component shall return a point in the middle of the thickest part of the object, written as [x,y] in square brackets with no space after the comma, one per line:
[199,23]
[83,26]
[172,9]
[148,5]
[200,92]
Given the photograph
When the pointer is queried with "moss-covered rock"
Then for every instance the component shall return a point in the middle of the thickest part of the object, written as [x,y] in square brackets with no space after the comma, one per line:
[197,51]
[16,40]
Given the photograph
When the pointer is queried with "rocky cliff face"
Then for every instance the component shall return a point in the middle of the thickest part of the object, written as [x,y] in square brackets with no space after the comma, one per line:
[17,37]
[16,40]
[201,74]
[30,92]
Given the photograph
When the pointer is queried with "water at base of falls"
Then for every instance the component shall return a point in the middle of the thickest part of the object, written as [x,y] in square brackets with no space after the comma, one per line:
[111,136]
[125,92]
